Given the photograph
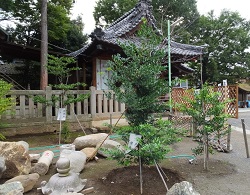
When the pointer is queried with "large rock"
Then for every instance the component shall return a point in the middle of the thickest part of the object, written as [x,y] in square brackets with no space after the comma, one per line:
[182,188]
[17,159]
[2,165]
[107,145]
[77,159]
[27,181]
[24,144]
[90,152]
[89,140]
[13,188]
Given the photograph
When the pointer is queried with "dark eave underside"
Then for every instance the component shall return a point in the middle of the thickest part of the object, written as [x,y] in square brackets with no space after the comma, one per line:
[23,52]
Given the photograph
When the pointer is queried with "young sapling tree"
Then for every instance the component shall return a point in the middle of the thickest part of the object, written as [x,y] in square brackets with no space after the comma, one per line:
[207,109]
[136,79]
[62,68]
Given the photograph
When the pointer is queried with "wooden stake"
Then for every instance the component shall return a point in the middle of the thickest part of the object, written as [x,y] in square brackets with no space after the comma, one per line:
[229,138]
[159,171]
[245,136]
[141,181]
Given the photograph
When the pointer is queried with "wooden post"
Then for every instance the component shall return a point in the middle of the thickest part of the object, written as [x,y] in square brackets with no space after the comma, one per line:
[44,46]
[229,138]
[245,136]
[110,120]
[92,101]
[48,107]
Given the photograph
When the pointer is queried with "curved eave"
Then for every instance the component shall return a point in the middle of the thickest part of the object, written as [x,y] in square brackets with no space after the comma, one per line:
[244,87]
[130,21]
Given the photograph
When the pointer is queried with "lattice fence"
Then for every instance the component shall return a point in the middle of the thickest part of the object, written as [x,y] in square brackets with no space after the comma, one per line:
[182,122]
[219,140]
[228,92]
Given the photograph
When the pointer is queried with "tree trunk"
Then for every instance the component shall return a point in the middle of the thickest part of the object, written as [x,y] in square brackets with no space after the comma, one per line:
[44,46]
[206,152]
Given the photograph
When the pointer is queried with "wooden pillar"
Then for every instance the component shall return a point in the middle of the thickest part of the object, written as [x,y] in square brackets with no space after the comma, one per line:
[44,46]
[48,107]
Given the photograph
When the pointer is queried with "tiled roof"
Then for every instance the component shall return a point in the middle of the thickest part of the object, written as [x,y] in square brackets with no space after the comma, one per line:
[131,20]
[175,48]
[123,27]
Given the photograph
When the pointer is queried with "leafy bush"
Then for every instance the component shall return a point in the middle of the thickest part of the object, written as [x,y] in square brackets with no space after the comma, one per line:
[5,102]
[208,111]
[153,145]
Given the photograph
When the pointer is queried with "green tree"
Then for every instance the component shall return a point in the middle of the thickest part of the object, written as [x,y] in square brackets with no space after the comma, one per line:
[108,11]
[208,112]
[135,77]
[136,81]
[62,69]
[226,57]
[5,102]
[64,35]
[61,30]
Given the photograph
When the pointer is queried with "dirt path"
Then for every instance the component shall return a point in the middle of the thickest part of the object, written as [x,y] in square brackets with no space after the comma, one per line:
[228,172]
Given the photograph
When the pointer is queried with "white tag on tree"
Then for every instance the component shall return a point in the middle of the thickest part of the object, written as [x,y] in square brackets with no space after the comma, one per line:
[133,140]
[61,114]
[225,82]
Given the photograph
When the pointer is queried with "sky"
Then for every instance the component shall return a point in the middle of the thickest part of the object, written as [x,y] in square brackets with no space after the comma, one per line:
[86,7]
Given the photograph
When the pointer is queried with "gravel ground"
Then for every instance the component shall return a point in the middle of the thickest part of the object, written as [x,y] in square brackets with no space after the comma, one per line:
[244,113]
[228,172]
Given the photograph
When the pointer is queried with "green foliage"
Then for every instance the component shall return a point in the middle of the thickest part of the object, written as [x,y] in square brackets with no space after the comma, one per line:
[62,31]
[136,81]
[208,111]
[66,132]
[153,146]
[5,102]
[135,77]
[62,68]
[64,35]
[110,10]
[226,57]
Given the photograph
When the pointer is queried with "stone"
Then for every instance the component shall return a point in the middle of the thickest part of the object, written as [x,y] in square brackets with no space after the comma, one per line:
[88,190]
[182,188]
[34,157]
[24,144]
[64,182]
[108,144]
[2,166]
[43,164]
[77,159]
[63,166]
[94,130]
[17,159]
[27,181]
[90,152]
[89,140]
[13,188]
[67,147]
